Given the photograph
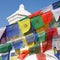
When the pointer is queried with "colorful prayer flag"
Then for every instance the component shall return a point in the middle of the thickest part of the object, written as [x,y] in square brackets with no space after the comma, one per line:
[6,56]
[18,44]
[12,32]
[24,25]
[37,22]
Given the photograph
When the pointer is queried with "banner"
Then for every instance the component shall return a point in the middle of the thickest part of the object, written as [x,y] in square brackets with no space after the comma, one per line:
[55,31]
[18,44]
[41,29]
[5,47]
[56,13]
[17,52]
[37,22]
[56,5]
[51,7]
[13,55]
[30,39]
[47,44]
[42,37]
[13,30]
[24,25]
[6,56]
[0,58]
[34,49]
[13,58]
[23,54]
[47,17]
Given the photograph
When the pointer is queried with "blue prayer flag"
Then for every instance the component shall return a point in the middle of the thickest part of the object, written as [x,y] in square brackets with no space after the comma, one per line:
[18,44]
[30,38]
[12,30]
[56,5]
[5,56]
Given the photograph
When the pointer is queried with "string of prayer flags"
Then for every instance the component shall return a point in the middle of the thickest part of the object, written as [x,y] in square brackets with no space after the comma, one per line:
[33,36]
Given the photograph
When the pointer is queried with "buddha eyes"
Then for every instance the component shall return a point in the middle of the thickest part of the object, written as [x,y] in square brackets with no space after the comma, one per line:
[25,25]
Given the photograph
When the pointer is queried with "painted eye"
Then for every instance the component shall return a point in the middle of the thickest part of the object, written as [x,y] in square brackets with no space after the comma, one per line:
[25,25]
[37,21]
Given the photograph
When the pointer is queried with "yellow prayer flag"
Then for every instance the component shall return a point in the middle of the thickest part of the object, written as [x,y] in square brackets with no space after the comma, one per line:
[24,25]
[17,52]
[43,28]
[13,58]
[31,44]
[27,45]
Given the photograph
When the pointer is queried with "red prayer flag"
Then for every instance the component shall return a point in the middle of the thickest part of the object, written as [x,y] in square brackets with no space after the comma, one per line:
[47,17]
[41,56]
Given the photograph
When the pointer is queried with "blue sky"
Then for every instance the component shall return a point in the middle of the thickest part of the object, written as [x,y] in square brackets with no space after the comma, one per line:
[7,7]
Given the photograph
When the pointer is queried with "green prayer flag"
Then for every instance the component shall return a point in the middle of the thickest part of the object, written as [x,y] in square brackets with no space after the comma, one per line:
[37,22]
[5,47]
[0,58]
[34,49]
[42,37]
